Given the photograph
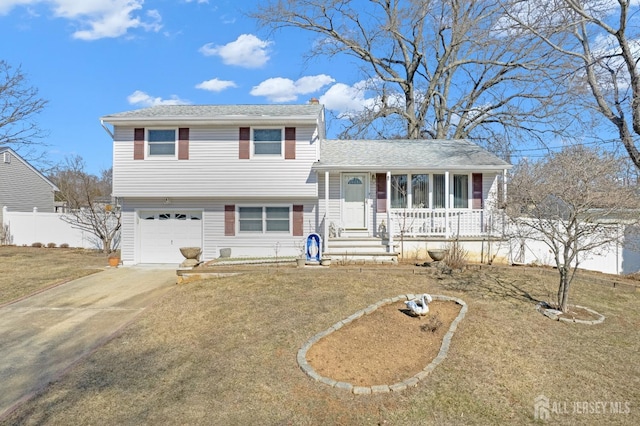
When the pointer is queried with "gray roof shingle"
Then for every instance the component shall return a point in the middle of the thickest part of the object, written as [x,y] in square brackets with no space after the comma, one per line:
[403,154]
[169,112]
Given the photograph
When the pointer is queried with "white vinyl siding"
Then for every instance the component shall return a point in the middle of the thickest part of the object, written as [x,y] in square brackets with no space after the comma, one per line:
[213,238]
[214,168]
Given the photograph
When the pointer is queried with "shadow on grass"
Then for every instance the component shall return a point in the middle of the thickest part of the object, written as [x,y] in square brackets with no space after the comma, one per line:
[494,285]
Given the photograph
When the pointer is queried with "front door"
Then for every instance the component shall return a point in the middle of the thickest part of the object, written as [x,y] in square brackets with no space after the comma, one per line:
[354,211]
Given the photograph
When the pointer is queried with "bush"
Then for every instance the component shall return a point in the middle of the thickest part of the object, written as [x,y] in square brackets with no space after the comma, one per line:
[51,245]
[455,256]
[64,245]
[36,245]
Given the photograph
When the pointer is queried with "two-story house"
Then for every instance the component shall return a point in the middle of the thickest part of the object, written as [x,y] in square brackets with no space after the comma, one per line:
[22,186]
[258,178]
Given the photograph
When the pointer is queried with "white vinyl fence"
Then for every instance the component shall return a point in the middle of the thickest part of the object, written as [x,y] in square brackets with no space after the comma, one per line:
[26,228]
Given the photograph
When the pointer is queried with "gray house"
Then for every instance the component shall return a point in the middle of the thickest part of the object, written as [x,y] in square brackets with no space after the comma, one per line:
[22,187]
[257,179]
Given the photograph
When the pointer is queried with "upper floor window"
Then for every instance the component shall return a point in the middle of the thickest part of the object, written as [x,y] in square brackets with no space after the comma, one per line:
[161,143]
[267,142]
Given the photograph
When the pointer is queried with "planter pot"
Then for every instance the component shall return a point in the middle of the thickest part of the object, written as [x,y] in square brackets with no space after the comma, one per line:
[326,262]
[301,262]
[114,262]
[436,255]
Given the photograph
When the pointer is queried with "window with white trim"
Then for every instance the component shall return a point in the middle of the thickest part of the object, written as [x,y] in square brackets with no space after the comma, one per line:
[267,142]
[460,191]
[398,191]
[420,191]
[161,142]
[264,219]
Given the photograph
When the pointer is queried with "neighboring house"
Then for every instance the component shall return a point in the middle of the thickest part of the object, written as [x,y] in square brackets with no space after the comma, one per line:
[258,178]
[22,187]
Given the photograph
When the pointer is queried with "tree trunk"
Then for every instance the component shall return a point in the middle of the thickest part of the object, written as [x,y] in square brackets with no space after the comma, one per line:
[563,290]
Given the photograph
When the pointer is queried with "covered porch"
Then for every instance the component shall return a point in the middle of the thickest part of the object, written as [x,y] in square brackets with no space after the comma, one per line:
[387,190]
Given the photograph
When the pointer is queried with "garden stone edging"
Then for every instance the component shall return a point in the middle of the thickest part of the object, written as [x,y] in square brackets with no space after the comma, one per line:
[544,309]
[396,387]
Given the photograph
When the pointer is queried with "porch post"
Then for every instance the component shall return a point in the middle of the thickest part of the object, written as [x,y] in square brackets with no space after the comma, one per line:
[447,204]
[326,210]
[389,222]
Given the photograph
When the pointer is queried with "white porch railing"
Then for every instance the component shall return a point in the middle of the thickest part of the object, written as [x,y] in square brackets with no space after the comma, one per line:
[443,223]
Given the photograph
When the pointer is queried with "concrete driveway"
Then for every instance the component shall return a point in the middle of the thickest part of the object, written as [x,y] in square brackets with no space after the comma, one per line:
[44,335]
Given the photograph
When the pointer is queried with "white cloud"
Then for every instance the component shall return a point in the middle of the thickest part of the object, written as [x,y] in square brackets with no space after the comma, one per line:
[97,18]
[246,51]
[215,85]
[344,98]
[141,98]
[280,89]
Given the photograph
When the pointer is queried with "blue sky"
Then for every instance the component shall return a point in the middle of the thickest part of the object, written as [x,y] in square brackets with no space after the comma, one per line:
[91,58]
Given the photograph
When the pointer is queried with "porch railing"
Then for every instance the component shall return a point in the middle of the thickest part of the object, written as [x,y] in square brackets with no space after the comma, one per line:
[443,223]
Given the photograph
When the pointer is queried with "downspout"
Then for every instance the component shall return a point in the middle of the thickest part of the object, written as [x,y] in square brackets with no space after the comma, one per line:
[106,129]
[388,208]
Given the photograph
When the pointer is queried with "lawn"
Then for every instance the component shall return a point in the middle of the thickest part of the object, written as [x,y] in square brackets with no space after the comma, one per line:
[223,351]
[27,270]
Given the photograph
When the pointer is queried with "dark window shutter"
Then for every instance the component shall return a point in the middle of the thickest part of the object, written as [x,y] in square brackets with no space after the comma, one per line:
[381,192]
[244,148]
[230,220]
[289,143]
[183,143]
[476,184]
[138,144]
[298,220]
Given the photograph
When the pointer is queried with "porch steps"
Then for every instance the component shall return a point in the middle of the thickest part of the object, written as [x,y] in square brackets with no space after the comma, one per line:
[359,249]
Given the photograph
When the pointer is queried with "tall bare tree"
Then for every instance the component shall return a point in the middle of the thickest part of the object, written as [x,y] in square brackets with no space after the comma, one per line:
[19,106]
[601,37]
[89,203]
[439,68]
[575,202]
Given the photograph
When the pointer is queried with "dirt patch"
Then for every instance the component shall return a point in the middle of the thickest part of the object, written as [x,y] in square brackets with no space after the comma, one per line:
[579,313]
[384,347]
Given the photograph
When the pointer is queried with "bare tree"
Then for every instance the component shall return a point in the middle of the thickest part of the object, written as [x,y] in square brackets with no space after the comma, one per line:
[89,202]
[439,69]
[574,201]
[602,41]
[19,106]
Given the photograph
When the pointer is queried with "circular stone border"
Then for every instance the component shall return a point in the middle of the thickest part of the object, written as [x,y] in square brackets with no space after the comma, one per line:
[396,387]
[554,314]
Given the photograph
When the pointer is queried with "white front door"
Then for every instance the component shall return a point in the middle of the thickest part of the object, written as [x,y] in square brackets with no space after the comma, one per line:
[354,206]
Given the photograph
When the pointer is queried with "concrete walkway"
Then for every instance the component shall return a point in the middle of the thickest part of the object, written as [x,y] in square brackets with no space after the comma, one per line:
[44,335]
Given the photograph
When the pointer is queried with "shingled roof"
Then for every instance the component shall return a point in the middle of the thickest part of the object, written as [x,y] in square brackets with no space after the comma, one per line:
[404,154]
[215,112]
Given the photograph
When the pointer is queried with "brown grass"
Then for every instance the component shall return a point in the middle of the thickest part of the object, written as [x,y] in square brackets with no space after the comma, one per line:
[223,351]
[27,270]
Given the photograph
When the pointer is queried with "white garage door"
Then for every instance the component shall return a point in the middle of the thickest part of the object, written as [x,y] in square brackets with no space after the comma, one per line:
[163,233]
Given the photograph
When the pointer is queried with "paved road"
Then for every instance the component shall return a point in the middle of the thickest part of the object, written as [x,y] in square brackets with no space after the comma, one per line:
[43,335]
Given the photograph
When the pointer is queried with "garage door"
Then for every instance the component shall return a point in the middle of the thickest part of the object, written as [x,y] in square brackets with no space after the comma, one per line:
[163,233]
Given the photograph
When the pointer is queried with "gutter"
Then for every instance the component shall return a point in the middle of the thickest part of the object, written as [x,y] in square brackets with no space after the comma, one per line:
[106,129]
